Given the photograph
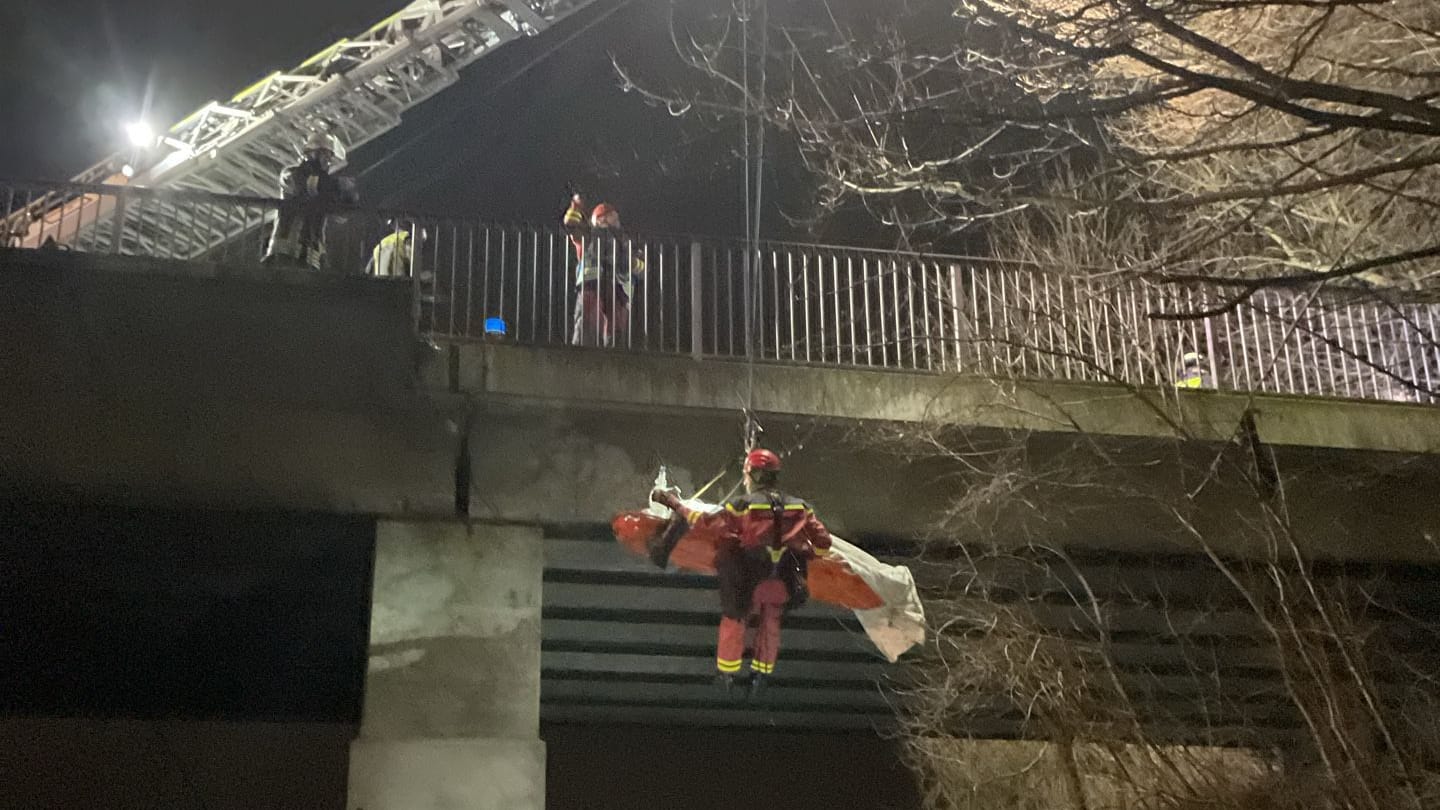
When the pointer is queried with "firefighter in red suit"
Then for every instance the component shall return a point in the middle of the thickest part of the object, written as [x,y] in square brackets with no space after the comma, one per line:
[605,273]
[769,538]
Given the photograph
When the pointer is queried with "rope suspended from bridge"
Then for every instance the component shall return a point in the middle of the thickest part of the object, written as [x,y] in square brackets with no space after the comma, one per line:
[754,196]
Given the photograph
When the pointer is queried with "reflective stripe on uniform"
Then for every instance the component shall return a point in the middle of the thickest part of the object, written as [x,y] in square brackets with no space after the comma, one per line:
[762,667]
[727,666]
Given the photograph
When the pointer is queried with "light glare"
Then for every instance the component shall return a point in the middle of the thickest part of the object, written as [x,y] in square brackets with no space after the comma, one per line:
[140,134]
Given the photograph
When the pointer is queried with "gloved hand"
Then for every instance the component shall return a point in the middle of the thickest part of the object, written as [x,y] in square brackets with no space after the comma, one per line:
[665,497]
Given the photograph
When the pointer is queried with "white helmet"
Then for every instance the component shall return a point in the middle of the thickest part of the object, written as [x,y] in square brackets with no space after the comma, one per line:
[324,142]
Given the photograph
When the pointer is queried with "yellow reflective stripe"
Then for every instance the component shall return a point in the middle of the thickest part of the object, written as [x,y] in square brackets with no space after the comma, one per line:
[731,509]
[762,667]
[776,554]
[765,507]
[821,552]
[727,666]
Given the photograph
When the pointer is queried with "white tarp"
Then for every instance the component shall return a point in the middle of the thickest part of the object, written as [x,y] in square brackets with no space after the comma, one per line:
[897,625]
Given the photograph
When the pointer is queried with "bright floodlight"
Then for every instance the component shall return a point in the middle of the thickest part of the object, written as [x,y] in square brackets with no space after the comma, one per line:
[140,134]
[127,170]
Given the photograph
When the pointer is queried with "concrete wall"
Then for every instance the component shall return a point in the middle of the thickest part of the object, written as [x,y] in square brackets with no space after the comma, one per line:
[129,764]
[452,694]
[168,383]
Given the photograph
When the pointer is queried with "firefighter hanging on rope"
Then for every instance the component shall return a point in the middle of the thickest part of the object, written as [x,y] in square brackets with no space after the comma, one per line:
[769,538]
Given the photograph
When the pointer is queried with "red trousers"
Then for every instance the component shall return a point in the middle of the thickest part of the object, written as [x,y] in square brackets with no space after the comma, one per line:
[767,606]
[601,318]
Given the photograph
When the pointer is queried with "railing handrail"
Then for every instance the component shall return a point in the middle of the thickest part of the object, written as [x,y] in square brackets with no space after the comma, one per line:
[1025,265]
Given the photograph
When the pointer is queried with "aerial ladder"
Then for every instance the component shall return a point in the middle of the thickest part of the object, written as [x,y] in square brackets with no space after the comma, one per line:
[356,89]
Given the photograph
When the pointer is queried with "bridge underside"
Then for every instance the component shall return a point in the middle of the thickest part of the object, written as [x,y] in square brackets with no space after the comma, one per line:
[626,643]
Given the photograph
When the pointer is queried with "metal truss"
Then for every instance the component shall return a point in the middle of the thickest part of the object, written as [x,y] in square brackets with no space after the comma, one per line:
[356,89]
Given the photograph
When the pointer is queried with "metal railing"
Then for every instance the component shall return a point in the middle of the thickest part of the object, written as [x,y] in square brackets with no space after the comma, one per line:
[814,305]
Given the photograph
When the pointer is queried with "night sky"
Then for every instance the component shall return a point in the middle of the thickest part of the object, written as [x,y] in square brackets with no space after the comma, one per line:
[74,72]
[502,150]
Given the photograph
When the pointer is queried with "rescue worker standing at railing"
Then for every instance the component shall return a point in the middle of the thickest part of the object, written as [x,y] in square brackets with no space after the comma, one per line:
[762,562]
[1191,373]
[309,191]
[395,255]
[604,276]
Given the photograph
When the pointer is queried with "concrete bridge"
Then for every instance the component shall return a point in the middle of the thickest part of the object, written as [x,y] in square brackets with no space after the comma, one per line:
[409,541]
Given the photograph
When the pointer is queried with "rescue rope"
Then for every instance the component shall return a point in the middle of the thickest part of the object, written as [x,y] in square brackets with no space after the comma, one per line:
[754,179]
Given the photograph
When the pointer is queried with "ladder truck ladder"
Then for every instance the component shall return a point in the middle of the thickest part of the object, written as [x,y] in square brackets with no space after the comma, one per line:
[356,89]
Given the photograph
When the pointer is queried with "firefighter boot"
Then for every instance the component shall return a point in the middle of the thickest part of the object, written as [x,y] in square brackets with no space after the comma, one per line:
[726,682]
[758,684]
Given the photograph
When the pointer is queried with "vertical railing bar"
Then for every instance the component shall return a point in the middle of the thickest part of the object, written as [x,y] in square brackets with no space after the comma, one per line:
[1045,312]
[1284,323]
[779,305]
[864,276]
[1005,327]
[790,298]
[1137,318]
[880,338]
[850,307]
[991,342]
[1374,368]
[1311,339]
[955,315]
[835,287]
[1402,334]
[654,277]
[1332,382]
[730,301]
[1233,380]
[1031,310]
[1245,343]
[936,346]
[1434,348]
[805,333]
[534,285]
[910,305]
[820,301]
[1339,347]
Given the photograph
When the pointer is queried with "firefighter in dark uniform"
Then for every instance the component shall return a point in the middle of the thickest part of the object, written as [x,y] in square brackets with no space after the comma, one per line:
[309,191]
[769,539]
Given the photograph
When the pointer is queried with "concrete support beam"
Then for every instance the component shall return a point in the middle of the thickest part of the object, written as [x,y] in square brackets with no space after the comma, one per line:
[452,694]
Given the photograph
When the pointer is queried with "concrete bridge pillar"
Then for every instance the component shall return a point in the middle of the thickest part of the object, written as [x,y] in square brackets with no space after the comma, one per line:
[452,692]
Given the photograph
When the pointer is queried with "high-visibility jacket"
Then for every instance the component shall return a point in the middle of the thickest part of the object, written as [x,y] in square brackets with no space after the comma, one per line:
[600,252]
[607,256]
[393,256]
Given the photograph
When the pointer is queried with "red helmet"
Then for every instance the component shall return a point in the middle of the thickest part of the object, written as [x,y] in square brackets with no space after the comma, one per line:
[762,459]
[601,211]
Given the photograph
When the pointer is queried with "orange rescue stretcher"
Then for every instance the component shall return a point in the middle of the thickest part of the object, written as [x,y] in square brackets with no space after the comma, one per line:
[883,596]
